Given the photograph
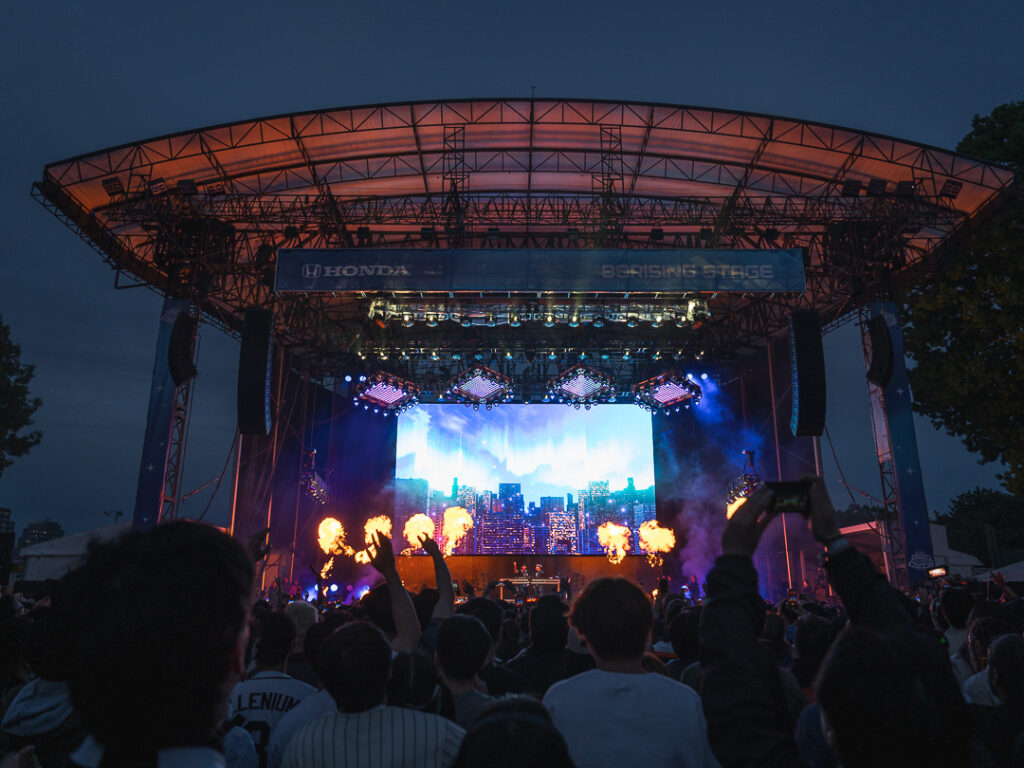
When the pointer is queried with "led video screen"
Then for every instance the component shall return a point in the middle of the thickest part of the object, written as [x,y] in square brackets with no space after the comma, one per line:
[525,479]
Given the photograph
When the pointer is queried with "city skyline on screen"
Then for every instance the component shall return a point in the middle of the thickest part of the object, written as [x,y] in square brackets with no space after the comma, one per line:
[548,450]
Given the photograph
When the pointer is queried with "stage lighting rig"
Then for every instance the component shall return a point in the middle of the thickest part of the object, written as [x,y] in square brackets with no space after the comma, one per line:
[310,480]
[581,385]
[743,486]
[665,392]
[478,386]
[386,392]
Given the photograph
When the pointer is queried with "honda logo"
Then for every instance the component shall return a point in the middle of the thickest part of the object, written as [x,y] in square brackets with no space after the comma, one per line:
[311,271]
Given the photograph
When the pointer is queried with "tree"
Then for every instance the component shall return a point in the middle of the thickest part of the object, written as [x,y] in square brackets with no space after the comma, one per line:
[16,403]
[964,327]
[971,511]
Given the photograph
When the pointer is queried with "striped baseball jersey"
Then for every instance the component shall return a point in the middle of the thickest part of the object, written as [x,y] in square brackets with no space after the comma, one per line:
[384,737]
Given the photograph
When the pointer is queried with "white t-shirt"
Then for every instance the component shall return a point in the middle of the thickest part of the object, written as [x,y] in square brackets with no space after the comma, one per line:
[383,737]
[612,719]
[257,704]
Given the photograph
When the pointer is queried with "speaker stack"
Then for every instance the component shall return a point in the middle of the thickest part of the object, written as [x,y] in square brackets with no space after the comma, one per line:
[807,364]
[255,367]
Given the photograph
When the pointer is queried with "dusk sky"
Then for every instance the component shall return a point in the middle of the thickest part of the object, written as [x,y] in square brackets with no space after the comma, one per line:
[550,450]
[78,77]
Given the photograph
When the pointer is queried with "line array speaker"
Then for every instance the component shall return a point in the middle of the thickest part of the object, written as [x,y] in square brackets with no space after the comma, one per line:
[181,349]
[880,370]
[255,367]
[807,364]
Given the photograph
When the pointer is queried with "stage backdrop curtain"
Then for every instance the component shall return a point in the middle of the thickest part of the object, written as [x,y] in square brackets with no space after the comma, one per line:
[355,456]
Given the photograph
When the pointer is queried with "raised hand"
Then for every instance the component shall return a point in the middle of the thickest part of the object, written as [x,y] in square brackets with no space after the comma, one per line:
[258,545]
[382,556]
[824,523]
[429,545]
[743,531]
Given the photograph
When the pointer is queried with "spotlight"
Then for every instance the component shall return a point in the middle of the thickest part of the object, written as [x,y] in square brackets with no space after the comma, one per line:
[491,321]
[549,320]
[407,319]
[704,376]
[598,321]
[467,321]
[631,322]
[583,354]
[432,320]
[679,354]
[362,379]
[508,354]
[552,355]
[656,322]
[456,355]
[513,320]
[700,354]
[656,355]
[680,320]
[605,354]
[574,320]
[434,355]
[348,377]
[626,354]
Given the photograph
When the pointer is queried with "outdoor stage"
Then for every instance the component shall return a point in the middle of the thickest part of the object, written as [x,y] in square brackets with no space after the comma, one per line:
[408,246]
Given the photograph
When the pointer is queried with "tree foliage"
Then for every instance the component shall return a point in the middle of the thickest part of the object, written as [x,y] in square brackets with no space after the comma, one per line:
[16,402]
[971,511]
[965,324]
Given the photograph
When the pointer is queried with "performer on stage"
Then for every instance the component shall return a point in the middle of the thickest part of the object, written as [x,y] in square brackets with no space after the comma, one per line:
[538,571]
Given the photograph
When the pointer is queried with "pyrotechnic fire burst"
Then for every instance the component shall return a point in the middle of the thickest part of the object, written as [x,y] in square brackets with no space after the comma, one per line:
[655,541]
[331,537]
[417,525]
[457,522]
[615,540]
[380,524]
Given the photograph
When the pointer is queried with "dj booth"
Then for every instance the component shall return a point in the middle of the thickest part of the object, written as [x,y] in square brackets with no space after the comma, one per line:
[528,587]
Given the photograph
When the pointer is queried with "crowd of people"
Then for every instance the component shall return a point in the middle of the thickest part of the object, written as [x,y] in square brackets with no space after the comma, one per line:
[151,654]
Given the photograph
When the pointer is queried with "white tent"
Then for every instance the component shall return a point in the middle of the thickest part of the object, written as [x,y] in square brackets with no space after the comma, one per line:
[52,559]
[1011,572]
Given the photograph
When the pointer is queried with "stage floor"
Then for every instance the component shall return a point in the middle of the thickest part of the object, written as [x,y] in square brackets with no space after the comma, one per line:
[418,571]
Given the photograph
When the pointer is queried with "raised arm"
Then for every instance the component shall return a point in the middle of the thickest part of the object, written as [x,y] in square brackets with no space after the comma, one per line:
[446,595]
[742,693]
[407,626]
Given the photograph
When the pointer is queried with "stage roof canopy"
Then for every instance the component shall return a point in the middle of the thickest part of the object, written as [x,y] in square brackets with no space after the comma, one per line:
[201,213]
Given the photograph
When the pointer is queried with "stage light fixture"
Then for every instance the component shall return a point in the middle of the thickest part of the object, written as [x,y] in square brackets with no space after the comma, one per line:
[467,321]
[478,386]
[582,385]
[574,320]
[348,378]
[491,322]
[552,355]
[630,321]
[626,354]
[386,392]
[656,354]
[598,321]
[743,486]
[456,355]
[508,354]
[700,354]
[605,354]
[680,321]
[656,321]
[407,320]
[434,355]
[431,320]
[704,377]
[666,391]
[513,320]
[549,320]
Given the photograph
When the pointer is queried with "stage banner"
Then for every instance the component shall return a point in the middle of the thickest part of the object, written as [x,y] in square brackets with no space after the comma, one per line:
[159,421]
[906,463]
[540,269]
